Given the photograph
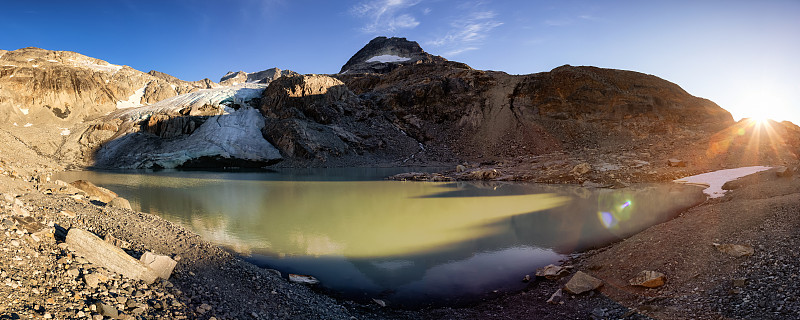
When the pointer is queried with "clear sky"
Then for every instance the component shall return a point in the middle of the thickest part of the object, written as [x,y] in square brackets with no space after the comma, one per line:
[743,55]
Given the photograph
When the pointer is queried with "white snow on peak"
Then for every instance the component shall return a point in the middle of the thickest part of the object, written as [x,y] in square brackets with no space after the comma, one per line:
[715,179]
[113,68]
[384,58]
[28,125]
[35,66]
[135,100]
[24,111]
[65,131]
[52,60]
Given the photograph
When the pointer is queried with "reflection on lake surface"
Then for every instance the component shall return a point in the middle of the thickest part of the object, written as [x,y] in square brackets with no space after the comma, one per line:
[401,241]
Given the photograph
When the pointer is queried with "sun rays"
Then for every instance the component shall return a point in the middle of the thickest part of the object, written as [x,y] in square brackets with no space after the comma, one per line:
[747,142]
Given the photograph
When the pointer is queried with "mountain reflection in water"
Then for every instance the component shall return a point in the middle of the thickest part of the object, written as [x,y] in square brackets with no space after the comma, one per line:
[401,241]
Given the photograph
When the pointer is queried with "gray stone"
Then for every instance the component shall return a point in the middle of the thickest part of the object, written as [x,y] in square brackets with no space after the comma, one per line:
[735,250]
[553,272]
[676,163]
[581,169]
[299,278]
[784,172]
[107,310]
[93,280]
[161,265]
[73,273]
[461,168]
[556,298]
[582,282]
[120,203]
[649,279]
[108,256]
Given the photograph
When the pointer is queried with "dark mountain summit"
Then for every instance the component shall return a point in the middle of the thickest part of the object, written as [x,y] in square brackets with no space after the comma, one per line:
[382,55]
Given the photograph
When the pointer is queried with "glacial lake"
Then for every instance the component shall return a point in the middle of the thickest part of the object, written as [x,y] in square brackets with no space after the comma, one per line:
[408,243]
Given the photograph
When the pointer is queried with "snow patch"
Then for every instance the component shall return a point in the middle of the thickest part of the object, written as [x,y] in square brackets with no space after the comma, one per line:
[11,76]
[173,86]
[52,61]
[135,100]
[385,58]
[35,66]
[24,111]
[64,131]
[31,59]
[28,125]
[9,65]
[715,179]
[113,68]
[15,124]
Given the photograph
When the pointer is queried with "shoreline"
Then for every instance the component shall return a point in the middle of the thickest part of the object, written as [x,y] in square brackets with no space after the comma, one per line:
[204,268]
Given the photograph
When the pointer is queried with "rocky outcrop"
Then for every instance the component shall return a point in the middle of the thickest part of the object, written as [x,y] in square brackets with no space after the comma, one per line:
[263,77]
[316,118]
[382,55]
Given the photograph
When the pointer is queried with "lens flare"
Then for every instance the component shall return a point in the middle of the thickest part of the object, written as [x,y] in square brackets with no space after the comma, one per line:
[625,205]
[607,219]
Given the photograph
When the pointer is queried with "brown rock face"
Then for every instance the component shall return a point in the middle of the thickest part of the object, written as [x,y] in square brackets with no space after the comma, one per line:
[316,118]
[45,96]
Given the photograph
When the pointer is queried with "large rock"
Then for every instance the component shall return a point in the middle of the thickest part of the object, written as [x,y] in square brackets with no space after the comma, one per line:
[161,265]
[553,272]
[106,255]
[648,279]
[92,190]
[582,282]
[120,202]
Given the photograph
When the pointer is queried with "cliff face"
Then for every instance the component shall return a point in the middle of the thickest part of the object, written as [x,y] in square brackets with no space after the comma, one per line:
[46,96]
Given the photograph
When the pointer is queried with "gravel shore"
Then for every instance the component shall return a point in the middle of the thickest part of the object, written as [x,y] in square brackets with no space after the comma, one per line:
[43,278]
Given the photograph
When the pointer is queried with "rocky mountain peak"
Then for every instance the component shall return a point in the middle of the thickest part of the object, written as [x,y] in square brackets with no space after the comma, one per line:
[264,76]
[382,55]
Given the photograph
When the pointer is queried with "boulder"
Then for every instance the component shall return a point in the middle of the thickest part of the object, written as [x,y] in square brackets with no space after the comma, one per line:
[784,172]
[553,272]
[582,282]
[92,190]
[120,203]
[479,174]
[676,163]
[106,255]
[580,169]
[161,265]
[648,279]
[734,250]
[299,278]
[94,279]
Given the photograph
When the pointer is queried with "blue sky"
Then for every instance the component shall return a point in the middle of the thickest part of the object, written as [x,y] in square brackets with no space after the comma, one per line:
[743,55]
